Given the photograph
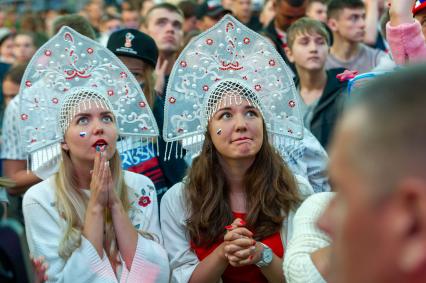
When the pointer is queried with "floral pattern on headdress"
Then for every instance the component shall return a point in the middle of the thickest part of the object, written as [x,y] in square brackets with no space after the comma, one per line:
[229,51]
[69,61]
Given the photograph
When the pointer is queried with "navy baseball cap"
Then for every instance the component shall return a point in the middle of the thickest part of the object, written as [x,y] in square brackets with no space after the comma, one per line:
[133,43]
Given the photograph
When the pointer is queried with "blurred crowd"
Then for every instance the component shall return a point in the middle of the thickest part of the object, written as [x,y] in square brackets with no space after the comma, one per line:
[327,45]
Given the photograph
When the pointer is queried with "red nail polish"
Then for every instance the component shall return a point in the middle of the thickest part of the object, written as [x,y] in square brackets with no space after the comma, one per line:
[229,227]
[242,222]
[251,257]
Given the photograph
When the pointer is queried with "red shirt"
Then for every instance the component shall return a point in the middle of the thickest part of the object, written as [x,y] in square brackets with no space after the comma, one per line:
[244,274]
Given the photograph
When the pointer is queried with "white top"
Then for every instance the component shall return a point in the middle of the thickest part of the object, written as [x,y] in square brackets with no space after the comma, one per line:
[173,215]
[45,229]
[307,238]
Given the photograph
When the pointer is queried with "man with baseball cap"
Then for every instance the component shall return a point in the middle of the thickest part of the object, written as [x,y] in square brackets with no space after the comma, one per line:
[405,35]
[139,53]
[136,49]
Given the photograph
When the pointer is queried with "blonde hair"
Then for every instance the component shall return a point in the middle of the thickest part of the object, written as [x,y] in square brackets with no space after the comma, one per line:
[72,202]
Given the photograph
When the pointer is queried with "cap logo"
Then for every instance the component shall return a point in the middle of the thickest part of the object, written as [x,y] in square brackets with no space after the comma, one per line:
[128,40]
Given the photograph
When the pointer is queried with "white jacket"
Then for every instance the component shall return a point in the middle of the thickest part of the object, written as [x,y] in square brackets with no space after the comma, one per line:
[45,229]
[173,214]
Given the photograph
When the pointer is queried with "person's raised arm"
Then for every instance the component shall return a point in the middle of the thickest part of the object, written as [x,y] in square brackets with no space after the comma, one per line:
[401,12]
[404,34]
[17,171]
[371,21]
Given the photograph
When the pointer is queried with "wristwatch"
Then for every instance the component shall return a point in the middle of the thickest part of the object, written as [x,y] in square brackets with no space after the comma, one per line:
[266,257]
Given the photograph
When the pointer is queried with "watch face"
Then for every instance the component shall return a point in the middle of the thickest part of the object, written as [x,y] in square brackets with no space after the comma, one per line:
[267,255]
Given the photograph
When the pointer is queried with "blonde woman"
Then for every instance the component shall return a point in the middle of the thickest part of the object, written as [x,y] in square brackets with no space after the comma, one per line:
[91,221]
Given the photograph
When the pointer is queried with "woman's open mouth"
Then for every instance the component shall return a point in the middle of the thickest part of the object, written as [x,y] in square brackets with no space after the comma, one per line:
[100,145]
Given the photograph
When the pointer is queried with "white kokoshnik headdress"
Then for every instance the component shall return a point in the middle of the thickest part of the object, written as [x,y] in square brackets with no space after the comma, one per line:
[229,57]
[71,72]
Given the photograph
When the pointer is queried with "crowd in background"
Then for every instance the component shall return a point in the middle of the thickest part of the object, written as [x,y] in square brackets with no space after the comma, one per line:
[325,43]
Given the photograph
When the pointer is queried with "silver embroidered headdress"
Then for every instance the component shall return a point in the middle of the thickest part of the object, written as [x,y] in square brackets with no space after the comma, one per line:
[71,72]
[229,58]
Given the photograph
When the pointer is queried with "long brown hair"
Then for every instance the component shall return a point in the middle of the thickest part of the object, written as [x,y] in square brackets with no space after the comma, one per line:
[270,189]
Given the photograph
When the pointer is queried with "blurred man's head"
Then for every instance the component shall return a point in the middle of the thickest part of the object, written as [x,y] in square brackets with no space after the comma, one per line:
[6,45]
[288,11]
[94,11]
[227,4]
[76,22]
[346,18]
[145,6]
[242,10]
[267,13]
[189,9]
[164,23]
[109,24]
[24,47]
[308,44]
[130,18]
[12,81]
[209,12]
[377,166]
[317,10]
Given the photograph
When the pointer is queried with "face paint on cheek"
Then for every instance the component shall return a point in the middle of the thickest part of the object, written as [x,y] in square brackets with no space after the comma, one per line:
[83,134]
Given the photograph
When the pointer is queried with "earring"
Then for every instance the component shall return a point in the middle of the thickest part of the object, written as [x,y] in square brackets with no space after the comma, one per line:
[219,132]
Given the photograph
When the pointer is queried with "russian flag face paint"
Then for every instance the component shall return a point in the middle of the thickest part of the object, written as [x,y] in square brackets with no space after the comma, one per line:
[83,134]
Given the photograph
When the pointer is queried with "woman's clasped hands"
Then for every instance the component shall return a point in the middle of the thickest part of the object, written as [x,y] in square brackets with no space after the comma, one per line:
[240,249]
[103,194]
